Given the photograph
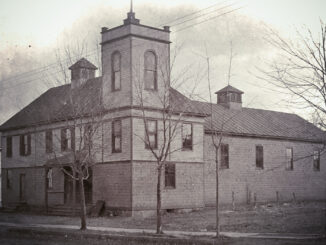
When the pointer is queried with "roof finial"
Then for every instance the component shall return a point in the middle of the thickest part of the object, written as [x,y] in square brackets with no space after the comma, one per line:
[131,19]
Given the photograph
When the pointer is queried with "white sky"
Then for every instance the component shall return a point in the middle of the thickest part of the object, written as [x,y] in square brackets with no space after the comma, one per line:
[39,22]
[43,24]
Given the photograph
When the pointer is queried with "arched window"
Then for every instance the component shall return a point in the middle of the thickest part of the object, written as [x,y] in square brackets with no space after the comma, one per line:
[150,67]
[116,71]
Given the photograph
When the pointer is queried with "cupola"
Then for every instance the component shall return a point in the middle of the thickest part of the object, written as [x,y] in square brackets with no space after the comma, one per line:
[81,71]
[230,97]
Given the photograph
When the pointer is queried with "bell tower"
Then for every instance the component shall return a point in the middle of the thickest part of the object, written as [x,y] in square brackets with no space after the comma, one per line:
[135,64]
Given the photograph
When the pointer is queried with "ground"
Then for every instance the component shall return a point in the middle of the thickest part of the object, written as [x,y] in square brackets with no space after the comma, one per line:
[303,217]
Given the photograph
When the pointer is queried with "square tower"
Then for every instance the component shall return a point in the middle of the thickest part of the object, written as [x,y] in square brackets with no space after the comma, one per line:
[135,65]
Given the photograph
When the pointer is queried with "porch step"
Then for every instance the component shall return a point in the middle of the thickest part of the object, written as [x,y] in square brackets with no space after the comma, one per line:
[61,210]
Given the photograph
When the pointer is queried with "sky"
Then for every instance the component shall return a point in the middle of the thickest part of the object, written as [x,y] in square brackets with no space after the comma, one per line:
[39,22]
[32,32]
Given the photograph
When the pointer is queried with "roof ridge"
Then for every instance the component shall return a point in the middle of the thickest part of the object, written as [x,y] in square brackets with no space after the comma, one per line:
[249,108]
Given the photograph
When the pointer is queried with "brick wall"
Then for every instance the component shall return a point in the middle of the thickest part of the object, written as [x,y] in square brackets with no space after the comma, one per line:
[112,183]
[187,194]
[122,97]
[243,176]
[149,97]
[34,190]
[141,153]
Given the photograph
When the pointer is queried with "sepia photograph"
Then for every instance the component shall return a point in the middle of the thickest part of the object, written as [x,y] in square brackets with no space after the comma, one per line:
[163,122]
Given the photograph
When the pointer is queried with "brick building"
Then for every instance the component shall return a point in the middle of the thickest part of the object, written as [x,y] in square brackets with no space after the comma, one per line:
[262,153]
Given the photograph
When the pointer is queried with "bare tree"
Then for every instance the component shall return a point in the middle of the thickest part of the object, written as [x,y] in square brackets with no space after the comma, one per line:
[217,135]
[299,71]
[80,138]
[82,113]
[167,124]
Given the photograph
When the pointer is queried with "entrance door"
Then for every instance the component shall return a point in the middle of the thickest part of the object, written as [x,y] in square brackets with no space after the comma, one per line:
[88,187]
[68,187]
[71,188]
[22,188]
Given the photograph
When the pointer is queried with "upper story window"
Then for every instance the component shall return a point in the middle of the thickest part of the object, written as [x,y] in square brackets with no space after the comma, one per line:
[224,156]
[116,71]
[289,159]
[48,141]
[316,160]
[150,70]
[25,145]
[259,157]
[67,139]
[151,135]
[9,146]
[187,136]
[116,136]
[169,175]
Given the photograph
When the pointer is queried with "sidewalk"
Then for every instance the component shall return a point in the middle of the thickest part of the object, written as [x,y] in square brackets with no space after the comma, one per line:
[179,234]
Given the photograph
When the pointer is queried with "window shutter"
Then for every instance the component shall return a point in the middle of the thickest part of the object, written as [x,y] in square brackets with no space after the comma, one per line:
[72,141]
[29,144]
[21,145]
[63,140]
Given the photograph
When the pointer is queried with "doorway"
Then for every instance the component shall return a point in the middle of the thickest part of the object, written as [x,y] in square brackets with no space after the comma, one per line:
[22,196]
[72,190]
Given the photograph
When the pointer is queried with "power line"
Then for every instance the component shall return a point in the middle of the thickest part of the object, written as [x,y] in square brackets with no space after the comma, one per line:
[55,64]
[193,13]
[48,67]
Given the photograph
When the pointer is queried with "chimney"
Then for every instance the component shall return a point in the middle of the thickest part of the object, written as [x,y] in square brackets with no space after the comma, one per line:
[81,71]
[230,98]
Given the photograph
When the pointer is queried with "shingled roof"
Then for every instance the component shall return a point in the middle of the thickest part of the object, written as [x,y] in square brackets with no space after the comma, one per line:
[54,105]
[259,123]
[83,63]
[229,88]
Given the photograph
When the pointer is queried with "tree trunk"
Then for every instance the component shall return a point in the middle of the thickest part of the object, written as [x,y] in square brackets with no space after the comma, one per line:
[217,194]
[159,200]
[82,205]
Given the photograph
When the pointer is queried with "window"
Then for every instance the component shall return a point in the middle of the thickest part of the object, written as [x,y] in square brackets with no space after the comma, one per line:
[67,139]
[224,156]
[74,74]
[259,157]
[9,179]
[170,175]
[150,66]
[88,131]
[316,160]
[116,71]
[25,145]
[239,98]
[48,141]
[187,136]
[9,146]
[222,98]
[116,136]
[152,134]
[233,96]
[289,159]
[50,178]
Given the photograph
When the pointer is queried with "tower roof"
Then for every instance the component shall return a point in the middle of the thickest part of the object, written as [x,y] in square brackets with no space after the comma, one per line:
[229,88]
[83,63]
